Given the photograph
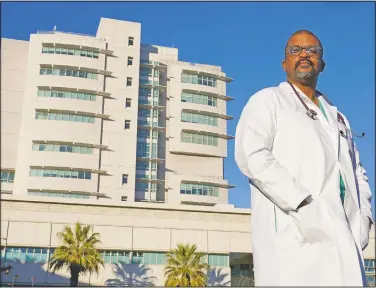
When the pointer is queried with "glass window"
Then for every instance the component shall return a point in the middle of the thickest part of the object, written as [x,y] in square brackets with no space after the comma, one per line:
[124,179]
[130,41]
[127,124]
[129,81]
[130,61]
[128,102]
[90,54]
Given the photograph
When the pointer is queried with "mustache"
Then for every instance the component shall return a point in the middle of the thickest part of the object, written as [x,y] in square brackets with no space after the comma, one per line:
[301,60]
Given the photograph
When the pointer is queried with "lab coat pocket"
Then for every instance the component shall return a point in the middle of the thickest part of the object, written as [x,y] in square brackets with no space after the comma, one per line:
[313,222]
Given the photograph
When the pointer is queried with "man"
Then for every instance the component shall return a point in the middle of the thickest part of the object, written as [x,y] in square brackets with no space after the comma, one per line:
[311,202]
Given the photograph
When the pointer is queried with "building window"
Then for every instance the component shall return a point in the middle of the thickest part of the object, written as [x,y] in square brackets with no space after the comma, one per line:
[127,124]
[198,99]
[62,148]
[199,118]
[370,267]
[26,254]
[198,189]
[66,51]
[7,177]
[66,95]
[124,179]
[60,173]
[68,72]
[199,139]
[128,102]
[129,81]
[149,258]
[130,41]
[61,194]
[218,260]
[146,72]
[116,257]
[130,61]
[64,117]
[198,79]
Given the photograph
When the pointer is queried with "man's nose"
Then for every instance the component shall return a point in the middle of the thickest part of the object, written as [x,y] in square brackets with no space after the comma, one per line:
[304,53]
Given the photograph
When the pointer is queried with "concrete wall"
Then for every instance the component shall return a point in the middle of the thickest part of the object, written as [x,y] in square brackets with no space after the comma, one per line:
[138,227]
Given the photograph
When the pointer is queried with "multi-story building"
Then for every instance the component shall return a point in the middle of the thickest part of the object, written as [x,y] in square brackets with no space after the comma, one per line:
[121,135]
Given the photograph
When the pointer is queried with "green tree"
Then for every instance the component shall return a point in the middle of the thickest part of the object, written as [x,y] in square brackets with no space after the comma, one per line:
[184,267]
[78,252]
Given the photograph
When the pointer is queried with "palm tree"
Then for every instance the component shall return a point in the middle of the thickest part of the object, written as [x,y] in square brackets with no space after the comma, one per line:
[184,267]
[79,252]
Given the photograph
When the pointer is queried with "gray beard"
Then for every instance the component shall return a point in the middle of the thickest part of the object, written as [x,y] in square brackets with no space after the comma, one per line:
[305,75]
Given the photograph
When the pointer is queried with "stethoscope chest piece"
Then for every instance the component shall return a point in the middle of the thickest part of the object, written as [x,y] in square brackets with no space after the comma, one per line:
[312,114]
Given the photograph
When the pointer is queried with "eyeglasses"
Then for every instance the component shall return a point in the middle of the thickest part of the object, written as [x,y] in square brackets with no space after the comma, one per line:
[294,51]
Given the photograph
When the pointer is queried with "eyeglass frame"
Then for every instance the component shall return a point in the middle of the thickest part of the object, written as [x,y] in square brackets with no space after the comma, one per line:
[319,49]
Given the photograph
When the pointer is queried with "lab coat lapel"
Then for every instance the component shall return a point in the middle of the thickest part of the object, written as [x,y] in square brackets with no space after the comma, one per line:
[332,114]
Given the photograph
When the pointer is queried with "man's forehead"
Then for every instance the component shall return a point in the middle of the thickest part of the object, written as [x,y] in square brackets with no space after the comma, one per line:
[303,38]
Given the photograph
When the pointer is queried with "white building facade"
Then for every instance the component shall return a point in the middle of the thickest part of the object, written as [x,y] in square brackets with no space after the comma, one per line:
[123,136]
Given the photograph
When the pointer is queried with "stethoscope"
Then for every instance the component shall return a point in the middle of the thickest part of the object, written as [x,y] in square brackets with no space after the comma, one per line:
[313,114]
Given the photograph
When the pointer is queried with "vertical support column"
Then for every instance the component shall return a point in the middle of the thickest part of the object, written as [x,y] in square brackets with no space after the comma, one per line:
[101,132]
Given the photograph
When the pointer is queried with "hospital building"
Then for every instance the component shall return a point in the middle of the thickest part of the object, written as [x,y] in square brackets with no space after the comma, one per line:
[121,135]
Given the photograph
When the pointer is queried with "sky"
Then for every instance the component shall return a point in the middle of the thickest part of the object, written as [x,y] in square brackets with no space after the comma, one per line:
[247,40]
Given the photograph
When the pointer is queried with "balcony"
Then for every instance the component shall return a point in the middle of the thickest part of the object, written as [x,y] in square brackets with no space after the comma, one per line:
[149,104]
[149,63]
[216,74]
[212,94]
[151,84]
[145,124]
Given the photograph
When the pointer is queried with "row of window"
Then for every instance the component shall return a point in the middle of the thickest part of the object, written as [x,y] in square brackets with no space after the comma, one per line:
[63,148]
[145,134]
[40,255]
[143,150]
[147,92]
[199,118]
[198,79]
[7,177]
[144,166]
[149,72]
[147,113]
[67,94]
[59,194]
[64,117]
[195,138]
[60,173]
[68,72]
[198,99]
[148,123]
[144,187]
[198,189]
[66,51]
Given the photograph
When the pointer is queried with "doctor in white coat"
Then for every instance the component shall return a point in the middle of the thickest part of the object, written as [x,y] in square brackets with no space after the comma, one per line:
[311,201]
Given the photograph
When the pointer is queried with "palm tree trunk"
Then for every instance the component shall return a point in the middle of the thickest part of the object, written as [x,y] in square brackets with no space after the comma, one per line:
[75,271]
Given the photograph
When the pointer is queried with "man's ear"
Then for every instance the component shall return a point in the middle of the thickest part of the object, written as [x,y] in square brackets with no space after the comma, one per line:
[284,65]
[322,65]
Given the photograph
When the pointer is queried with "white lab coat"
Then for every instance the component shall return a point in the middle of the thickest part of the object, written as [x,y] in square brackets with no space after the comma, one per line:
[287,156]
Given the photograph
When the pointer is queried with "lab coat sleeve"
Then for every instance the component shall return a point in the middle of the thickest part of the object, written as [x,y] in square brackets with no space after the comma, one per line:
[365,199]
[253,152]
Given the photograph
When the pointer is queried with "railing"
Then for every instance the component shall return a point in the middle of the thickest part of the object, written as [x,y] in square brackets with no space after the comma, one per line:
[149,82]
[59,32]
[149,62]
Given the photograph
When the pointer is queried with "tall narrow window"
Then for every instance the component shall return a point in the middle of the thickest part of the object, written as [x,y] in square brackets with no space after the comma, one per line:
[128,102]
[130,61]
[124,179]
[130,41]
[127,124]
[129,81]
